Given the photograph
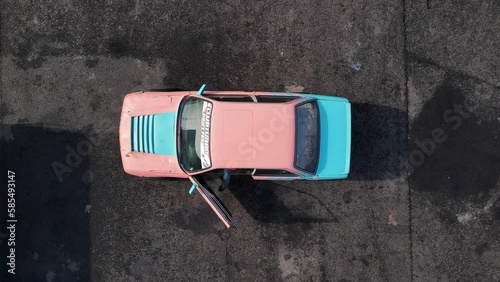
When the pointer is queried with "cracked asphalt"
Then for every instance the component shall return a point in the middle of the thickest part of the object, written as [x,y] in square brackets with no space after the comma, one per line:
[422,202]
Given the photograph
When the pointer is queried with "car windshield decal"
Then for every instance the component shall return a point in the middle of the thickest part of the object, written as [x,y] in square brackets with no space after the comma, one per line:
[205,135]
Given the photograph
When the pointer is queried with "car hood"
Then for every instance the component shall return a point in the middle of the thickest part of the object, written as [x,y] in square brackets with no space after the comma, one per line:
[147,134]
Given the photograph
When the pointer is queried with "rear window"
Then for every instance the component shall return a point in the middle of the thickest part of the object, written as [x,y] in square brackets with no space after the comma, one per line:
[307,137]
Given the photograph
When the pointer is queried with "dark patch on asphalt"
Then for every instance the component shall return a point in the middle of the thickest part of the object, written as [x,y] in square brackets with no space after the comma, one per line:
[364,261]
[462,156]
[4,110]
[200,220]
[481,249]
[38,80]
[347,197]
[52,232]
[91,63]
[29,52]
[23,120]
[199,53]
[95,104]
[446,215]
[378,142]
[362,246]
[196,50]
[207,55]
[118,48]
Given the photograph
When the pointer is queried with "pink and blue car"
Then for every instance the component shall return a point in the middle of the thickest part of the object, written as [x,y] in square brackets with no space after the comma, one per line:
[271,136]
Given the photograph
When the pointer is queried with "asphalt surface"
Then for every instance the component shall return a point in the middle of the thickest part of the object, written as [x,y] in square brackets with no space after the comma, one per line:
[423,199]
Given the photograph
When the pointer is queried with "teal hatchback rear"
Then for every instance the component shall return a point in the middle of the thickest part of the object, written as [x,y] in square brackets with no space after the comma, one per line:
[334,138]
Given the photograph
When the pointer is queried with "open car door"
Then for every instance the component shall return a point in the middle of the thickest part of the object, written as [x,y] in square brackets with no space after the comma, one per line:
[214,202]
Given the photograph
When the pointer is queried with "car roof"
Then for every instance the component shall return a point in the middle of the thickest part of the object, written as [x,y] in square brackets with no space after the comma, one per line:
[252,135]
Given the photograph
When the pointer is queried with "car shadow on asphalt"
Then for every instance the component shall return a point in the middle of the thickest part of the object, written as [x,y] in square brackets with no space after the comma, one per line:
[379,143]
[268,201]
[52,203]
[272,202]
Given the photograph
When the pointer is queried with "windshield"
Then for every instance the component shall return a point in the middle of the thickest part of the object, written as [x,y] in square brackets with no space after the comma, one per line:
[307,137]
[194,141]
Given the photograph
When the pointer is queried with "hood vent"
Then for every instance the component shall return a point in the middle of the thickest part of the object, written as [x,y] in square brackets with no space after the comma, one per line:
[143,134]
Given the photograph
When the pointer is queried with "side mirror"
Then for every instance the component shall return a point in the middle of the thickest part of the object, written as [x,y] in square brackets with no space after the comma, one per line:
[193,187]
[202,88]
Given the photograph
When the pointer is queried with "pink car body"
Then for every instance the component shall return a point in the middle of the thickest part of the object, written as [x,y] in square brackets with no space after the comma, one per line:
[243,135]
